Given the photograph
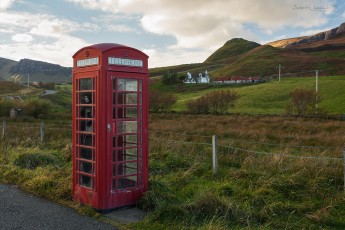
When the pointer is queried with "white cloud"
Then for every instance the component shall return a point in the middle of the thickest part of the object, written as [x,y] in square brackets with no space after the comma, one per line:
[210,23]
[60,51]
[159,58]
[312,32]
[52,37]
[5,4]
[22,38]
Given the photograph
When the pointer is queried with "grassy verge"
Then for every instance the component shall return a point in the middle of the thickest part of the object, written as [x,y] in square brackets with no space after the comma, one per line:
[267,98]
[252,189]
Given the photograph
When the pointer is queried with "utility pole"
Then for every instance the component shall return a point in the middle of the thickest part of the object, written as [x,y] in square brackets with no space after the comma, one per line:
[316,88]
[279,70]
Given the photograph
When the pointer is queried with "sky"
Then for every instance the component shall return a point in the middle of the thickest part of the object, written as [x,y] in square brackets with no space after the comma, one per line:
[171,32]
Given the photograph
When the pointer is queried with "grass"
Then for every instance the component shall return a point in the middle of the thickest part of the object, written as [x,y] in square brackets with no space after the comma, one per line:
[250,191]
[267,98]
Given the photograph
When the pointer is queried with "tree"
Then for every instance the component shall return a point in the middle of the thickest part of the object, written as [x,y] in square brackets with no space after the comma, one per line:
[303,102]
[161,102]
[217,102]
[170,78]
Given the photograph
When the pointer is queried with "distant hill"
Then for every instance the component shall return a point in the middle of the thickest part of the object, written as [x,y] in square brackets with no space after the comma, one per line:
[231,49]
[299,56]
[36,71]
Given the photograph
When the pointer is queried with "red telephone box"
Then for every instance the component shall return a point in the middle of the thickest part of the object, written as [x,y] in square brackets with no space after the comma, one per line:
[110,125]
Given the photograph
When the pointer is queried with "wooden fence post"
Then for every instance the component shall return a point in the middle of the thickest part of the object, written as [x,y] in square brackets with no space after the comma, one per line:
[42,131]
[215,154]
[344,166]
[3,129]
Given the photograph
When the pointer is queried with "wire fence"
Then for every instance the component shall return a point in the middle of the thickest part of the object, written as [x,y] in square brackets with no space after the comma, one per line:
[217,151]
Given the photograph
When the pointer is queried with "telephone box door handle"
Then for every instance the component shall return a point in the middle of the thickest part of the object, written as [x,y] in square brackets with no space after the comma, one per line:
[109,127]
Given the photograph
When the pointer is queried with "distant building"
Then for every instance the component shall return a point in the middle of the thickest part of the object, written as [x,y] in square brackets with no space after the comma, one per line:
[236,80]
[199,79]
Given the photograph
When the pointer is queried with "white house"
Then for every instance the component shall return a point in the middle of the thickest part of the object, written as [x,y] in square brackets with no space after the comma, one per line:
[200,79]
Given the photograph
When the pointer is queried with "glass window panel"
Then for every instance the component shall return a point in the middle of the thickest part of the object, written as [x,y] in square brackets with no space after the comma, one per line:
[114,99]
[86,153]
[127,141]
[114,142]
[85,167]
[128,99]
[127,182]
[129,112]
[86,181]
[114,83]
[85,111]
[127,84]
[86,139]
[127,154]
[127,168]
[127,126]
[85,98]
[140,83]
[86,84]
[85,125]
[114,184]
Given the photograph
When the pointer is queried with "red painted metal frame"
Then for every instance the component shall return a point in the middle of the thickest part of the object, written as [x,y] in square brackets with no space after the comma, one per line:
[100,195]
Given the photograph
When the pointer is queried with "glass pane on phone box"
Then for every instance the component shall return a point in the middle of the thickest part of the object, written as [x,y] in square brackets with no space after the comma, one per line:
[85,84]
[127,126]
[86,139]
[127,84]
[127,168]
[86,181]
[86,111]
[131,112]
[127,154]
[86,153]
[127,182]
[85,98]
[86,167]
[85,125]
[127,141]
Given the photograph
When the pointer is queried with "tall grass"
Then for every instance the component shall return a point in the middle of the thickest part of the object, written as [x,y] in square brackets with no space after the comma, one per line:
[252,190]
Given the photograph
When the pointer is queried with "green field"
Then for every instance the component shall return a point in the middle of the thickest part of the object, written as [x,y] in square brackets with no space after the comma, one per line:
[272,97]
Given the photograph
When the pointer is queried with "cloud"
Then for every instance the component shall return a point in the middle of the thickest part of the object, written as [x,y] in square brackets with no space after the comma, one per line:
[59,51]
[41,37]
[6,4]
[210,23]
[22,38]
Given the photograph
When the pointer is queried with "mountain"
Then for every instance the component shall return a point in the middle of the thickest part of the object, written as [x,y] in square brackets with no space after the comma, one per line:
[36,71]
[299,56]
[231,49]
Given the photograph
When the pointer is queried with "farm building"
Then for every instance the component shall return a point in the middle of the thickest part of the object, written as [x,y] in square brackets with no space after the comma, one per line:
[236,80]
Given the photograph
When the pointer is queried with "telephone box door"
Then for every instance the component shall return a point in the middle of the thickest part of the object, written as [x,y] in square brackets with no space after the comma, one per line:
[127,131]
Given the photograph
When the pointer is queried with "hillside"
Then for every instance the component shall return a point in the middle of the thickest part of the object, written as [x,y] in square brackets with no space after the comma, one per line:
[269,98]
[299,56]
[36,71]
[231,50]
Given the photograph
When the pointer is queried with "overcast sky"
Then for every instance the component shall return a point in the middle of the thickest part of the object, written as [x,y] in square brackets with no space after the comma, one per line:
[170,31]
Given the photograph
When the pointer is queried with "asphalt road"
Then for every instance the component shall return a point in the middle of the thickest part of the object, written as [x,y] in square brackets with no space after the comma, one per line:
[22,211]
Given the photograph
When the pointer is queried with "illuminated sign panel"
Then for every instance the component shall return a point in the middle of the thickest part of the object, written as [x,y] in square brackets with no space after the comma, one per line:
[87,62]
[125,61]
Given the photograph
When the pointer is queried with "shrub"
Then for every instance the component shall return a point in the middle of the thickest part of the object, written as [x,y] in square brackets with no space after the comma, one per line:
[161,102]
[6,106]
[170,78]
[217,102]
[36,107]
[33,160]
[303,102]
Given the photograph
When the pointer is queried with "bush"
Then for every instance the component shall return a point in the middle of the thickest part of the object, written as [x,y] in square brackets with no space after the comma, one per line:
[35,107]
[33,160]
[6,106]
[217,102]
[170,78]
[161,102]
[303,102]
